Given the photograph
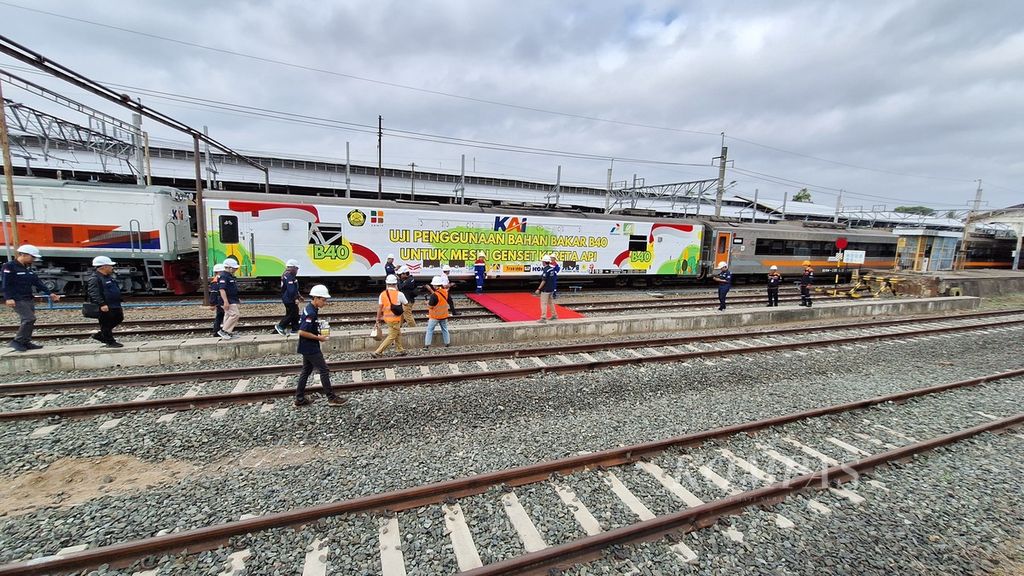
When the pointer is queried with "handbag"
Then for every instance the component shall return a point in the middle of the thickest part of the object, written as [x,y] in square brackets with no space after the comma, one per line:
[396,309]
[376,333]
[90,310]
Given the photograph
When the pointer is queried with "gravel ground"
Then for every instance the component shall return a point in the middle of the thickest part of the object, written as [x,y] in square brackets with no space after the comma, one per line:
[392,439]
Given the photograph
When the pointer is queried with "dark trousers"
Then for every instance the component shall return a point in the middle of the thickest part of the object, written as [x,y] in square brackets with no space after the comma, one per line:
[805,295]
[291,317]
[26,310]
[722,292]
[773,296]
[218,319]
[312,362]
[109,321]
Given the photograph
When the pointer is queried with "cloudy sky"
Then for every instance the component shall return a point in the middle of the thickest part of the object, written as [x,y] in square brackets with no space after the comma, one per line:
[894,102]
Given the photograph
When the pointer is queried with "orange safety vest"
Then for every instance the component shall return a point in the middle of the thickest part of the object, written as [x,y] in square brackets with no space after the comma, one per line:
[385,305]
[439,312]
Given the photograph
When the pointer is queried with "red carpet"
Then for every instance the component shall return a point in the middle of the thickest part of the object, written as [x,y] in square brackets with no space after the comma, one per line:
[518,306]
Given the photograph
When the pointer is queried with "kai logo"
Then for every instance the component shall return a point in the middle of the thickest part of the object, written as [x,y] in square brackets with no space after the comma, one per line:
[509,224]
[331,252]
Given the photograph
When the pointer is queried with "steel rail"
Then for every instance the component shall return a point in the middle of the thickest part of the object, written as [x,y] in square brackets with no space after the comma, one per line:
[698,517]
[164,378]
[403,499]
[350,387]
[368,319]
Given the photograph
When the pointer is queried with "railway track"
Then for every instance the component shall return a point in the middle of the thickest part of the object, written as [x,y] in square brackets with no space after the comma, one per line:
[119,394]
[173,326]
[708,475]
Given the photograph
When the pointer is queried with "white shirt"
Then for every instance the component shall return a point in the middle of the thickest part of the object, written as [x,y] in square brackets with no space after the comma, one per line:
[384,299]
[446,281]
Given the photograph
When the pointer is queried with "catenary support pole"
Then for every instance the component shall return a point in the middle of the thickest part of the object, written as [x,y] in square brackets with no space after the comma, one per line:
[204,269]
[380,167]
[149,159]
[137,143]
[1020,241]
[608,190]
[753,217]
[720,191]
[12,206]
[967,224]
[348,172]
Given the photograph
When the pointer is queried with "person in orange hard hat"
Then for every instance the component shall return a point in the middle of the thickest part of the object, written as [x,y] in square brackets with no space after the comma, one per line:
[806,281]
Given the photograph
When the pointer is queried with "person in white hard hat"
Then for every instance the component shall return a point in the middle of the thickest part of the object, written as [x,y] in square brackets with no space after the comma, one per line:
[407,286]
[546,289]
[480,271]
[103,290]
[445,271]
[290,297]
[389,265]
[724,280]
[390,307]
[437,312]
[312,331]
[215,302]
[19,280]
[774,281]
[229,296]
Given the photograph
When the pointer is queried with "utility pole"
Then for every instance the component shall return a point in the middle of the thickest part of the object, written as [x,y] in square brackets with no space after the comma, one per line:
[460,188]
[200,219]
[12,206]
[558,186]
[206,154]
[785,195]
[608,190]
[721,177]
[348,173]
[753,217]
[967,224]
[839,207]
[412,182]
[140,176]
[380,138]
[149,164]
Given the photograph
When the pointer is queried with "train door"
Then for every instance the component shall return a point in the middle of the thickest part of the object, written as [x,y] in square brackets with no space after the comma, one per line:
[722,248]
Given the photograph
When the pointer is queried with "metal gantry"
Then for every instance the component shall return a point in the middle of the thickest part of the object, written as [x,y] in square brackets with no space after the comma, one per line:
[692,190]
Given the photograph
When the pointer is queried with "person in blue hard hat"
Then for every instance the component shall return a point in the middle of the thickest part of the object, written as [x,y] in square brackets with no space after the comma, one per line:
[312,331]
[290,297]
[19,281]
[103,290]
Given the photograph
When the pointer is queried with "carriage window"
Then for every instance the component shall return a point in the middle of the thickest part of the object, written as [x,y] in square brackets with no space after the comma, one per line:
[17,209]
[62,235]
[228,226]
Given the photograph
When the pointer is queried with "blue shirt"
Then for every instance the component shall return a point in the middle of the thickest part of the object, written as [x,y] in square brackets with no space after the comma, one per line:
[111,290]
[774,280]
[550,276]
[726,276]
[807,279]
[289,288]
[389,269]
[19,281]
[226,282]
[308,322]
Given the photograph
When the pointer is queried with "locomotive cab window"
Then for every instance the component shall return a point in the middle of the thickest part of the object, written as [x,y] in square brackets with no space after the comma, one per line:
[228,226]
[637,243]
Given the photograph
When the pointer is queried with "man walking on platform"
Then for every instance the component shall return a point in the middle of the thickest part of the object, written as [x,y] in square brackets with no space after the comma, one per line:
[19,279]
[290,296]
[103,291]
[229,297]
[390,307]
[215,302]
[310,337]
[724,279]
[548,282]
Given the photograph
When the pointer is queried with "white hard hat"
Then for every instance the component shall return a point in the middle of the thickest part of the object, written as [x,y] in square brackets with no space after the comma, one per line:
[403,269]
[218,267]
[552,256]
[391,257]
[320,290]
[446,268]
[481,253]
[102,261]
[391,279]
[773,267]
[546,258]
[722,265]
[30,250]
[231,263]
[291,264]
[437,281]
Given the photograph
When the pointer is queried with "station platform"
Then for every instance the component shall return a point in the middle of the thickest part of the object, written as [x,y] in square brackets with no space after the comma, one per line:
[218,352]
